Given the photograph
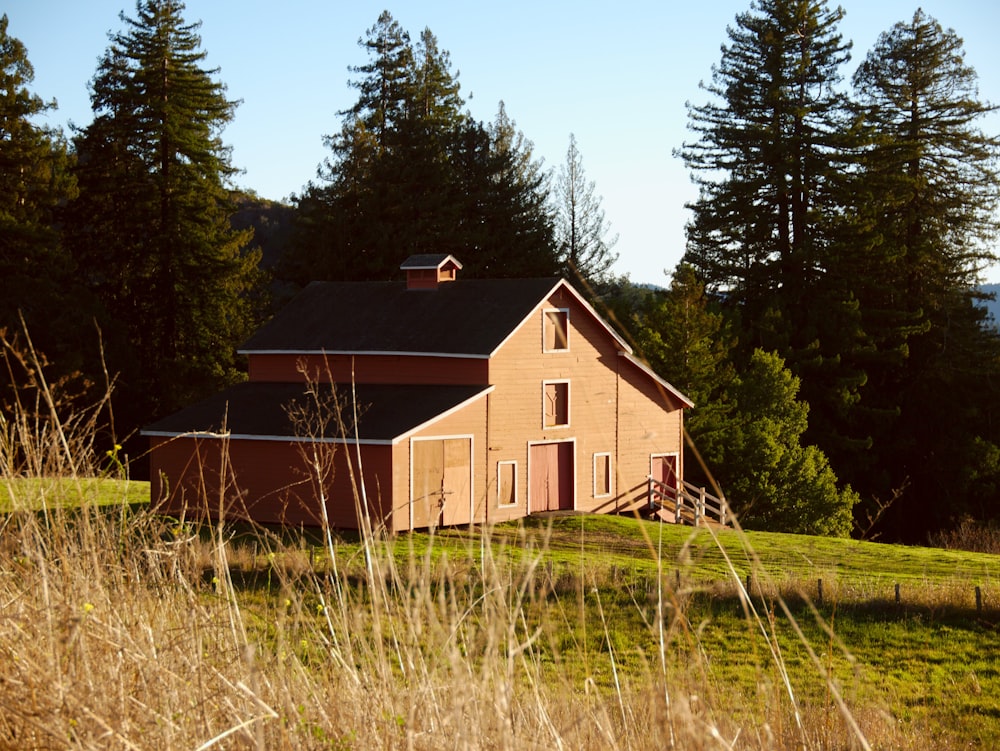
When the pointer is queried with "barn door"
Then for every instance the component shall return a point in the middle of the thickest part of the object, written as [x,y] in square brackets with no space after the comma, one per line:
[550,485]
[441,490]
[663,468]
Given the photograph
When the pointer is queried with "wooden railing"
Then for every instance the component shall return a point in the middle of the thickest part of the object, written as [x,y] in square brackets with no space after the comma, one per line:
[690,504]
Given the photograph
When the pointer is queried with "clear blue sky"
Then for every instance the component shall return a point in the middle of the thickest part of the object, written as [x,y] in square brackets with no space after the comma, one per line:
[617,75]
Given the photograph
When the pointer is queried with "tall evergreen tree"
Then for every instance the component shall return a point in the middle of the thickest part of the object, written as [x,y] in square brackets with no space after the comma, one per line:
[36,274]
[935,170]
[512,215]
[585,248]
[931,192]
[151,229]
[774,159]
[774,478]
[687,340]
[748,425]
[385,82]
[767,152]
[411,172]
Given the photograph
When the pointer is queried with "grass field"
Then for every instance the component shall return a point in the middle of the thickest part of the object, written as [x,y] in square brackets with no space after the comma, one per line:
[37,494]
[121,629]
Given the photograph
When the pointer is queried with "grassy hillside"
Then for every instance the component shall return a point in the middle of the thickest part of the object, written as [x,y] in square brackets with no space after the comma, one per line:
[120,628]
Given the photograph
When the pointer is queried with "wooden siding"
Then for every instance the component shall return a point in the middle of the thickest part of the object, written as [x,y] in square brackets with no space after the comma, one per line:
[614,409]
[651,424]
[402,369]
[469,422]
[265,480]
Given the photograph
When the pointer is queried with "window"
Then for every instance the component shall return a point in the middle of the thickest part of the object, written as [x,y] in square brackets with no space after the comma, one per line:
[555,404]
[556,330]
[506,483]
[602,475]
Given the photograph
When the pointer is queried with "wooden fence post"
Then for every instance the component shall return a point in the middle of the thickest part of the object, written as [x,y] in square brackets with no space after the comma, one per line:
[897,593]
[979,600]
[819,591]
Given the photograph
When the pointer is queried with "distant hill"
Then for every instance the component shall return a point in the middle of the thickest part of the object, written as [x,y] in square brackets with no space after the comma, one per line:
[271,222]
[993,306]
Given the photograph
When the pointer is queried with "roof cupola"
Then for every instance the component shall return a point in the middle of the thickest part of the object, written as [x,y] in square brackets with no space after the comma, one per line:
[430,270]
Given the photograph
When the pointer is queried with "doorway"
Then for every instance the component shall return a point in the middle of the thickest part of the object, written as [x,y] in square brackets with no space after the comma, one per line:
[551,472]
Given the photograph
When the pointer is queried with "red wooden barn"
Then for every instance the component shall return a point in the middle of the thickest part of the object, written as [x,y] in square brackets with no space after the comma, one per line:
[432,401]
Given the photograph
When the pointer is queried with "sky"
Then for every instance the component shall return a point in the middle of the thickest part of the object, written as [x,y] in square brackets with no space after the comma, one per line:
[615,75]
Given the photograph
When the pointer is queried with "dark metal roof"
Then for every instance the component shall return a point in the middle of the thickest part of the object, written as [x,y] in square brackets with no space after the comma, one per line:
[469,317]
[261,410]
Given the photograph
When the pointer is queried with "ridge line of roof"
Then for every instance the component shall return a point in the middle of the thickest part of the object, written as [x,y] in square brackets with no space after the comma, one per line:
[365,352]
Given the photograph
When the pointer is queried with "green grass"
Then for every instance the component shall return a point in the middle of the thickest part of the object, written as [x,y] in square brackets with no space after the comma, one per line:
[918,673]
[929,662]
[851,570]
[33,494]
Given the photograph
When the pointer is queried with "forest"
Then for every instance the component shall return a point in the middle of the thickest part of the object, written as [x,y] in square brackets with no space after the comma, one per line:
[826,318]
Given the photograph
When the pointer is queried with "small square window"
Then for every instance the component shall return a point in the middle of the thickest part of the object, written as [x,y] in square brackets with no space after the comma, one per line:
[556,404]
[602,475]
[506,483]
[556,330]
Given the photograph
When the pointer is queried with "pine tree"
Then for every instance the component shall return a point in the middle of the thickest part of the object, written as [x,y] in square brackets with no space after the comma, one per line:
[772,477]
[386,82]
[512,214]
[769,147]
[931,191]
[151,229]
[411,172]
[775,160]
[749,427]
[581,229]
[936,172]
[687,340]
[36,273]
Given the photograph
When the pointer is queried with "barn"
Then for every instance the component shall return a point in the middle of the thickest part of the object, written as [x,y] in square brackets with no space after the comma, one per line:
[434,401]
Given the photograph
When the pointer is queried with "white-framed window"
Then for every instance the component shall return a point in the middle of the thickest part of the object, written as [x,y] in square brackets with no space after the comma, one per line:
[555,330]
[555,404]
[602,475]
[507,484]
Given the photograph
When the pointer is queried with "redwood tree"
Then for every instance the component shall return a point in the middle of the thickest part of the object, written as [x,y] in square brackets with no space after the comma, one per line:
[36,274]
[151,229]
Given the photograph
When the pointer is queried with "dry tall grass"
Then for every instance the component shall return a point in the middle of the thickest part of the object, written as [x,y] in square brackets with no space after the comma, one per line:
[122,629]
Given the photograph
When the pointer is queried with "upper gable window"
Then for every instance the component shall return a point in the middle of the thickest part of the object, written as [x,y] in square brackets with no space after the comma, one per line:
[556,330]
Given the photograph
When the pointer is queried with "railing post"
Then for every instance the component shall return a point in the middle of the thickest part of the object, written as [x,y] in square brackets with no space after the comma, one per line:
[699,512]
[649,491]
[678,506]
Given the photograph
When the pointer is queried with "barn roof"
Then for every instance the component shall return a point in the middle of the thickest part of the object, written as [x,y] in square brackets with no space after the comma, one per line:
[260,411]
[471,317]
